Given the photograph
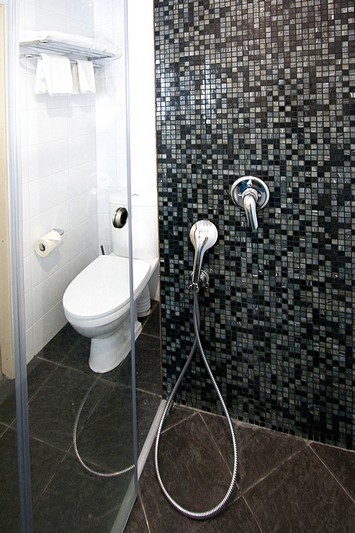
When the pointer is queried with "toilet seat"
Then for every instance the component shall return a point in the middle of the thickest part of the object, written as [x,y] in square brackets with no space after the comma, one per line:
[102,290]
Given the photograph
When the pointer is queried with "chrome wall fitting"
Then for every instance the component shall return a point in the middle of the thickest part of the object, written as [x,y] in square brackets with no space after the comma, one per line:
[250,193]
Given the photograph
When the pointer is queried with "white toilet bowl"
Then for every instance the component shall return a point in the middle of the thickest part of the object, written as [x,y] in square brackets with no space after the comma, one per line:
[97,305]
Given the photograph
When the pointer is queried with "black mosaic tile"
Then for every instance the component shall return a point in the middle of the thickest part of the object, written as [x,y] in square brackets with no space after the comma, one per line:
[262,88]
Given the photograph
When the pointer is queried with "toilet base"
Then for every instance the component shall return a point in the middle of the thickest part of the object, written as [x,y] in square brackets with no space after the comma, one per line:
[108,352]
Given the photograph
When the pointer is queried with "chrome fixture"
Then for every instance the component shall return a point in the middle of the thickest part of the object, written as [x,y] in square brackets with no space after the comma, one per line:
[203,236]
[119,218]
[250,193]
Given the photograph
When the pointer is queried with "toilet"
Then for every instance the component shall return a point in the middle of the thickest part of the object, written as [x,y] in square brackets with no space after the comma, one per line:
[97,301]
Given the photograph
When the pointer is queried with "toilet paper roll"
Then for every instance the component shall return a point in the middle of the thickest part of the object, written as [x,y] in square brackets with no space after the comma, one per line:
[48,243]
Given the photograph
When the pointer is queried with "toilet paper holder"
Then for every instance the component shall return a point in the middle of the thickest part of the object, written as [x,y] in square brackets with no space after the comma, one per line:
[49,242]
[60,231]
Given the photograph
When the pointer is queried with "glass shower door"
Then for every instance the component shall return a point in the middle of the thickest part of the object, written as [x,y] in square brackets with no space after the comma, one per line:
[72,149]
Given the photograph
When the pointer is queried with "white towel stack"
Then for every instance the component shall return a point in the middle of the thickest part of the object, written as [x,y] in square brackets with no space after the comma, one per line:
[56,76]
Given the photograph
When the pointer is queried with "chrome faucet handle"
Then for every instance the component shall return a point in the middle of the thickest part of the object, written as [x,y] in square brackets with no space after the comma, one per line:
[250,200]
[250,193]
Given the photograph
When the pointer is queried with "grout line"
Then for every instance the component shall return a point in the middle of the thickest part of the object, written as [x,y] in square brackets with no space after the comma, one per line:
[331,473]
[156,394]
[252,513]
[150,335]
[261,479]
[45,381]
[216,444]
[144,513]
[177,423]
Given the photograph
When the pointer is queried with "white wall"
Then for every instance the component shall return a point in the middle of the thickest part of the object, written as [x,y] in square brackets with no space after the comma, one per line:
[142,94]
[74,150]
[58,139]
[110,105]
[110,115]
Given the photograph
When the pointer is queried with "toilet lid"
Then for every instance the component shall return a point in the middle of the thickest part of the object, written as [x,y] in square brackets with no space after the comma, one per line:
[102,288]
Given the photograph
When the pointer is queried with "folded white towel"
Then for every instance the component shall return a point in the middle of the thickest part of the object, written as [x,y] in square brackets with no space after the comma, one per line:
[55,74]
[86,77]
[40,82]
[75,76]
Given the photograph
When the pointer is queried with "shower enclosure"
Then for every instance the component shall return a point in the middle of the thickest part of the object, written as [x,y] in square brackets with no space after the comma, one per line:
[66,154]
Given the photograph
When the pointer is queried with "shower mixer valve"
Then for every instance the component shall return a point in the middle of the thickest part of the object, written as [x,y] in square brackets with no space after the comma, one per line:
[203,235]
[250,193]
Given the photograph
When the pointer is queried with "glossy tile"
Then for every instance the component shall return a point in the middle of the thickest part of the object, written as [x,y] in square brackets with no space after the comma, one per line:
[106,437]
[38,372]
[235,517]
[301,495]
[340,462]
[62,344]
[148,364]
[193,472]
[160,514]
[137,522]
[259,450]
[147,405]
[44,462]
[78,356]
[75,500]
[53,409]
[151,325]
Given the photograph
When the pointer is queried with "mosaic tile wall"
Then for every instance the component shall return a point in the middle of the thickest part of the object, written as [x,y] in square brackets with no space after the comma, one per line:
[267,88]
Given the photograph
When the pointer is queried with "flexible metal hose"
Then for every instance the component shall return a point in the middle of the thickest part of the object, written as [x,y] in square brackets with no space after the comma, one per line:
[215,510]
[75,430]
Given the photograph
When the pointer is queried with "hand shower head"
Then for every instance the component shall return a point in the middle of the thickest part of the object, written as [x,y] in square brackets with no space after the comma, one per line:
[203,236]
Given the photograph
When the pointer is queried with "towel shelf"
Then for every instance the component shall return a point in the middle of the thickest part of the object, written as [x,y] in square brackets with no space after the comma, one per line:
[73,52]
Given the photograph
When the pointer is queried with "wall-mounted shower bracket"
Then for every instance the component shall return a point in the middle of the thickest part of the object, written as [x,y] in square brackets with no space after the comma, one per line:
[250,193]
[203,283]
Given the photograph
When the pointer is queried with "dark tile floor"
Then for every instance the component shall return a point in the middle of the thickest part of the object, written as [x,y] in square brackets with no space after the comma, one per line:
[285,484]
[66,498]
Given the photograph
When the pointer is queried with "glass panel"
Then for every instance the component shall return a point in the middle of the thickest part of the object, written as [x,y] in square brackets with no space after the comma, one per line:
[73,153]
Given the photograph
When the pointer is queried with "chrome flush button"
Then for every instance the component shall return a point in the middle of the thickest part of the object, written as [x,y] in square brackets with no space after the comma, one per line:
[120,217]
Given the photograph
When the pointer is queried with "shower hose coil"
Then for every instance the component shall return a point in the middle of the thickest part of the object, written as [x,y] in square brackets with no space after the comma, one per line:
[215,510]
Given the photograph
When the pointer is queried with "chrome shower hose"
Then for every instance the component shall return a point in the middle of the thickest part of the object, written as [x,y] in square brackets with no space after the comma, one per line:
[215,510]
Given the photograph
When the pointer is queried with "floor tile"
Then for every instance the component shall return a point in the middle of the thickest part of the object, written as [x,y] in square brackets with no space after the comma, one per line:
[177,415]
[77,501]
[137,522]
[8,406]
[122,373]
[53,409]
[152,324]
[78,356]
[44,462]
[235,517]
[259,450]
[147,405]
[7,388]
[262,450]
[161,516]
[9,486]
[106,439]
[61,345]
[38,372]
[340,462]
[148,364]
[192,471]
[301,496]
